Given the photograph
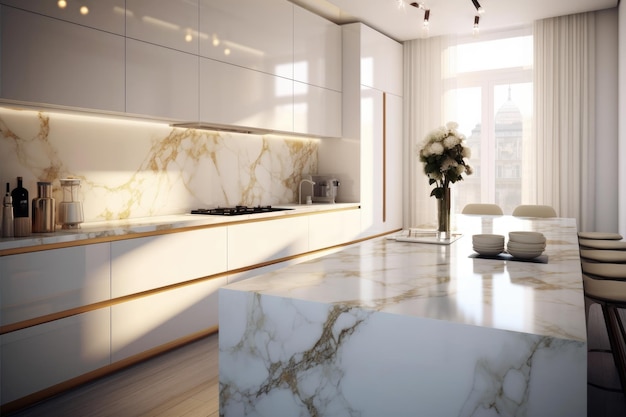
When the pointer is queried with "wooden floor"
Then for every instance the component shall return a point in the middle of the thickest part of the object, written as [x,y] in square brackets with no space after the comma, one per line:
[184,383]
[180,383]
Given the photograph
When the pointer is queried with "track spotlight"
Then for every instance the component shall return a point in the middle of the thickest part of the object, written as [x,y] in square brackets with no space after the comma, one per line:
[419,5]
[425,25]
[476,28]
[478,7]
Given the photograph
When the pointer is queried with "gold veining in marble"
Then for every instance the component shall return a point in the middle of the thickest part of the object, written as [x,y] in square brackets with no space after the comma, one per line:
[134,169]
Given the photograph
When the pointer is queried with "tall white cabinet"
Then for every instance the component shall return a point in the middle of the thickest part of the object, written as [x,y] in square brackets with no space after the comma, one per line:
[368,159]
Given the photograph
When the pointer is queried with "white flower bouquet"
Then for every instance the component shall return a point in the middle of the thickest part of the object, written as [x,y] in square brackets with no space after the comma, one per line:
[444,156]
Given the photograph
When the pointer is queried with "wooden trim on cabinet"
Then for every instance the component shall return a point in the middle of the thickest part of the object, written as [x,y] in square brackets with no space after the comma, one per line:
[20,325]
[384,197]
[165,231]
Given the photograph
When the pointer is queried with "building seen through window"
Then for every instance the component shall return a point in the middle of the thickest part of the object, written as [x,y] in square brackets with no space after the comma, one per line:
[493,106]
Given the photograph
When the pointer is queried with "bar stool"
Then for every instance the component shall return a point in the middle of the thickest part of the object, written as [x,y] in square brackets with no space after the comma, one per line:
[602,244]
[602,270]
[599,235]
[603,255]
[610,295]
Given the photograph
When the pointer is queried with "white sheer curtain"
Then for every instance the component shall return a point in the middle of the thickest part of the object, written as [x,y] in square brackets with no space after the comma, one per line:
[423,112]
[564,61]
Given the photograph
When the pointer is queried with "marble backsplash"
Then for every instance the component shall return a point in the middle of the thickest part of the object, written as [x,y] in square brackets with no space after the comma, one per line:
[130,169]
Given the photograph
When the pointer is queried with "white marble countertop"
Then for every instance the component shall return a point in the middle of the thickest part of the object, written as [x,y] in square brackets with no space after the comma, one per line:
[441,282]
[95,230]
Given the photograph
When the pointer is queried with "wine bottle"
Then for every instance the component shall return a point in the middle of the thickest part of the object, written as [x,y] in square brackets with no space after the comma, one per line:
[21,223]
[20,200]
[7,214]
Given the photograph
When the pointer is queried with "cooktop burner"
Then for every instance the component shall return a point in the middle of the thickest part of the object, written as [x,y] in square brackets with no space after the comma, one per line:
[237,210]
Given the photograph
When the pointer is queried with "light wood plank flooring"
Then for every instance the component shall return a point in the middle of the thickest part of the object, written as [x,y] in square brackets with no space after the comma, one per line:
[184,383]
[180,383]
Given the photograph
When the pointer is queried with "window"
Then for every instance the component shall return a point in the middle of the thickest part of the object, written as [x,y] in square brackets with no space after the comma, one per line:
[489,93]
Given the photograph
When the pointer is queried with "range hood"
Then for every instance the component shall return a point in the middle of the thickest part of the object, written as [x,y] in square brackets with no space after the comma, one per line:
[222,128]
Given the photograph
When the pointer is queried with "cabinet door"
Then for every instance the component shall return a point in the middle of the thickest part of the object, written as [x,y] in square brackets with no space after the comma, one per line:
[38,357]
[107,15]
[394,162]
[381,61]
[249,33]
[152,262]
[334,228]
[45,60]
[317,50]
[39,283]
[152,321]
[372,180]
[259,242]
[171,23]
[161,82]
[242,97]
[317,110]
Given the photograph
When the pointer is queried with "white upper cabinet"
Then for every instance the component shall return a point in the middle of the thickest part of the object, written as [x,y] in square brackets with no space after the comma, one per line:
[107,15]
[381,61]
[239,96]
[249,33]
[317,50]
[316,110]
[161,82]
[46,60]
[171,23]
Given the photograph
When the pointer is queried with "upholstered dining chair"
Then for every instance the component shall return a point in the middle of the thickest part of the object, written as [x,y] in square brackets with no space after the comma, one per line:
[532,210]
[482,208]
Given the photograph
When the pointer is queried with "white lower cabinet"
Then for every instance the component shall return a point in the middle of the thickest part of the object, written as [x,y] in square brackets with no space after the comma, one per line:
[38,357]
[161,82]
[151,321]
[232,95]
[152,262]
[259,242]
[333,228]
[39,283]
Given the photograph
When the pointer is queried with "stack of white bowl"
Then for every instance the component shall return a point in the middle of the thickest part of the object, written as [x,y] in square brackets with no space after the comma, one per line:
[488,245]
[526,245]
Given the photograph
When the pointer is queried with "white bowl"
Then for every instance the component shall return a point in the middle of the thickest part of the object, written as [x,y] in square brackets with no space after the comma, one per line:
[488,239]
[526,246]
[489,251]
[527,237]
[525,254]
[488,248]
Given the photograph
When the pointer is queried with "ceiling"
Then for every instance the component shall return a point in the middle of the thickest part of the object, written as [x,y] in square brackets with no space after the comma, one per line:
[400,21]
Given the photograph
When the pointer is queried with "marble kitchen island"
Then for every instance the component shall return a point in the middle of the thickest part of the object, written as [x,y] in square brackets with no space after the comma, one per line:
[389,328]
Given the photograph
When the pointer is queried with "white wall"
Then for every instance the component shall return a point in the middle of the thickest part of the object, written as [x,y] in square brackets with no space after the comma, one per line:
[606,201]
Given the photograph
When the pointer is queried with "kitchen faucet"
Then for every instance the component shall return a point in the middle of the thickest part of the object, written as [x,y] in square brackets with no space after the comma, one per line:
[300,189]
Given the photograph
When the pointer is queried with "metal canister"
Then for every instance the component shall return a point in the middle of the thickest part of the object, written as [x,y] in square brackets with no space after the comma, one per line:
[43,209]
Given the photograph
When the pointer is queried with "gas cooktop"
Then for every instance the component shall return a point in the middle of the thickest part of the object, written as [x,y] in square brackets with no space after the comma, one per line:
[237,210]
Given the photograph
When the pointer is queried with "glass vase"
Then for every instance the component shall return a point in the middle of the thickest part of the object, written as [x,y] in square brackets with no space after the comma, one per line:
[443,215]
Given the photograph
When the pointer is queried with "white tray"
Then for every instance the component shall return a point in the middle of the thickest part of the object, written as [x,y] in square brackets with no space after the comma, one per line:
[423,236]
